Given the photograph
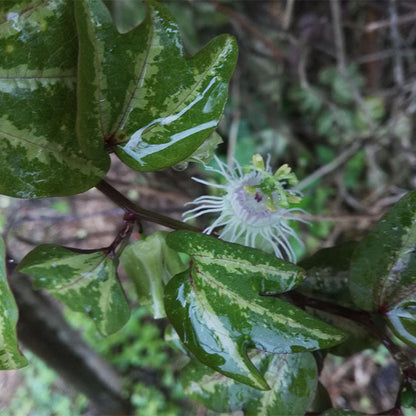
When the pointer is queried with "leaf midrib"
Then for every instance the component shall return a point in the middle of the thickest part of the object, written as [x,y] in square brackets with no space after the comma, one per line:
[174,110]
[64,261]
[249,266]
[258,309]
[124,113]
[67,159]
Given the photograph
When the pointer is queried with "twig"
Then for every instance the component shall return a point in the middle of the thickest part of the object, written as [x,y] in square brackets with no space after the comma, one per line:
[287,16]
[342,61]
[386,54]
[250,28]
[396,40]
[382,24]
[330,167]
[338,35]
[235,120]
[144,214]
[337,218]
[178,198]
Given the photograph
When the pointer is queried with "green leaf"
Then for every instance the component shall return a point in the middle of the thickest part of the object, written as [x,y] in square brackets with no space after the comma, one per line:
[150,263]
[292,378]
[341,90]
[10,356]
[262,273]
[309,99]
[408,398]
[218,313]
[374,110]
[39,152]
[140,94]
[327,274]
[206,151]
[86,283]
[402,320]
[354,171]
[383,268]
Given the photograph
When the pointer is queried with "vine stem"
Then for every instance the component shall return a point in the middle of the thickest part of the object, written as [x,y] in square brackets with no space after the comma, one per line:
[144,214]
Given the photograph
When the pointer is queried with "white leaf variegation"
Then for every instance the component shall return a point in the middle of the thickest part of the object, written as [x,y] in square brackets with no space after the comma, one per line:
[85,282]
[219,309]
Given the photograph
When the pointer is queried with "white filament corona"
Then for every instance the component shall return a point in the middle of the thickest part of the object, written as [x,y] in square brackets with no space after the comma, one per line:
[244,216]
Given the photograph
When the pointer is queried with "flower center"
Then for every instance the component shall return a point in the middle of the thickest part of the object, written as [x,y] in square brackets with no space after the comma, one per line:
[251,208]
[258,197]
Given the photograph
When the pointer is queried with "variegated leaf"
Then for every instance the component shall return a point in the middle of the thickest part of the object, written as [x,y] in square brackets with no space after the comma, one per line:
[86,283]
[138,91]
[10,356]
[39,152]
[383,267]
[292,379]
[150,263]
[218,312]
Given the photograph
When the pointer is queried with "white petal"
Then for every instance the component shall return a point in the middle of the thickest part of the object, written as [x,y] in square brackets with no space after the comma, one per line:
[206,198]
[214,185]
[203,212]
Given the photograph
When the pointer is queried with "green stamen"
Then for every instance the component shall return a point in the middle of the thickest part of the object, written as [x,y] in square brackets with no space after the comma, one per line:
[273,183]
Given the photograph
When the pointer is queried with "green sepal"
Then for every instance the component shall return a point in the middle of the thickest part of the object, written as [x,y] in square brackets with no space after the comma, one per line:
[206,151]
[383,267]
[10,356]
[85,282]
[39,152]
[140,94]
[292,379]
[150,264]
[218,312]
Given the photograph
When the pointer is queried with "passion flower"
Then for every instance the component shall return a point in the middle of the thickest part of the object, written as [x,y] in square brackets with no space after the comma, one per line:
[255,208]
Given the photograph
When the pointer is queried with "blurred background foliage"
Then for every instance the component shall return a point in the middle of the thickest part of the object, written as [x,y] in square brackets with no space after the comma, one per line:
[327,86]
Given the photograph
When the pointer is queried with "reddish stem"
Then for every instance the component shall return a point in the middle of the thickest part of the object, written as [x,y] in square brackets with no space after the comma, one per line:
[144,214]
